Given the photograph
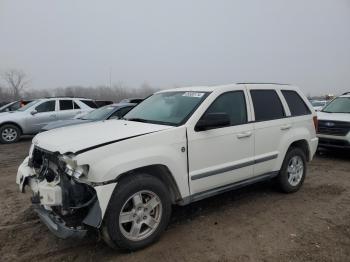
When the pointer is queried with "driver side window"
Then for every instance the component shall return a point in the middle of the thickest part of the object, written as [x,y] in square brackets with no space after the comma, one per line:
[233,104]
[48,106]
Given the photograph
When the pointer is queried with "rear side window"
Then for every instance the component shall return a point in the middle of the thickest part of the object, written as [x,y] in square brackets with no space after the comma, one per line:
[295,103]
[66,105]
[267,105]
[233,104]
[89,103]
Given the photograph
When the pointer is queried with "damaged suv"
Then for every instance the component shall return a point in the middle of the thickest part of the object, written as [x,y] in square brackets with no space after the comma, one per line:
[178,146]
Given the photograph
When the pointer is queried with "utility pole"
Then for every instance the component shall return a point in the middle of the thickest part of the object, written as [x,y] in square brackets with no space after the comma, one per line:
[110,77]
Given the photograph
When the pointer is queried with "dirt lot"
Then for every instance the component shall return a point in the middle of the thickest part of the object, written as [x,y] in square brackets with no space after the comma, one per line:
[253,224]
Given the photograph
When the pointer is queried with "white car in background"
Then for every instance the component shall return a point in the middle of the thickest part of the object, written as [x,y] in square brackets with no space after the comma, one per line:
[334,123]
[318,105]
[31,118]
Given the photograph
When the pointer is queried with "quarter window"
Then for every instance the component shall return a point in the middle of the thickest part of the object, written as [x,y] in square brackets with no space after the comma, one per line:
[76,106]
[267,105]
[233,104]
[295,103]
[48,106]
[66,105]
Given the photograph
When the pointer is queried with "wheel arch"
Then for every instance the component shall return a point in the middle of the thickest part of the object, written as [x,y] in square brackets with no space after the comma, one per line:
[303,145]
[12,123]
[161,172]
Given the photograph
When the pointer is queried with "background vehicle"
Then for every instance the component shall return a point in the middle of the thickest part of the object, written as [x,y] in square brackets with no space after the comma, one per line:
[114,111]
[31,118]
[132,100]
[334,123]
[176,147]
[13,106]
[101,103]
[318,104]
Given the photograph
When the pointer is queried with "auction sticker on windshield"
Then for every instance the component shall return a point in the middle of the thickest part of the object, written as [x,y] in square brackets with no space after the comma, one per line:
[193,94]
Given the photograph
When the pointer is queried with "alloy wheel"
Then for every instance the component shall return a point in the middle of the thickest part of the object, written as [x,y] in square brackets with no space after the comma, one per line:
[9,134]
[295,170]
[140,215]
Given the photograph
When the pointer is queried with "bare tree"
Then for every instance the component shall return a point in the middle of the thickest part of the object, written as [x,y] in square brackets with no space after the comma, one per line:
[16,81]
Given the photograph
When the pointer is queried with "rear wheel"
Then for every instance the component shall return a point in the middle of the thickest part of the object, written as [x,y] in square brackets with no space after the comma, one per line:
[139,211]
[9,134]
[293,171]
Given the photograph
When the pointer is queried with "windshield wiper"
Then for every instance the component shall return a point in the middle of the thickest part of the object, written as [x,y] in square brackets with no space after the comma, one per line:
[137,120]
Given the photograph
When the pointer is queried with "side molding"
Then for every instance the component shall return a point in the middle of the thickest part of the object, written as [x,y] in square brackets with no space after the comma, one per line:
[233,167]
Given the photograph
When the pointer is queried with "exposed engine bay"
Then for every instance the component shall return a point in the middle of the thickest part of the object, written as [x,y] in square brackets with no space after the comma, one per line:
[58,196]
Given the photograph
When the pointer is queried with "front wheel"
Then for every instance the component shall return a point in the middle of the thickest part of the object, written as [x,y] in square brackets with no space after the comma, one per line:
[9,134]
[293,171]
[139,211]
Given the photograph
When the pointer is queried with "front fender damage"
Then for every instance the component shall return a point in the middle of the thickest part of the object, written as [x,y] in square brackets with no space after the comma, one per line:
[97,212]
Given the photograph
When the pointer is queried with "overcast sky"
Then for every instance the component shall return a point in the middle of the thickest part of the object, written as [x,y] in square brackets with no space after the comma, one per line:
[182,42]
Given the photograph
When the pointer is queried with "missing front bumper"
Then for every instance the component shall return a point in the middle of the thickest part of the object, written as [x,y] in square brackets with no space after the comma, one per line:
[57,226]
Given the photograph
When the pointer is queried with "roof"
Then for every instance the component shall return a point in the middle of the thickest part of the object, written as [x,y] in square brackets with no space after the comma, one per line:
[219,87]
[65,97]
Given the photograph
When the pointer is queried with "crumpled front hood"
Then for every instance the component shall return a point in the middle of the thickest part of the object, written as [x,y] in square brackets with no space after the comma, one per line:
[333,116]
[81,137]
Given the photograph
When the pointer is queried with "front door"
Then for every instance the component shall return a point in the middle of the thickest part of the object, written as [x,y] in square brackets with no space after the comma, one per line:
[221,156]
[44,114]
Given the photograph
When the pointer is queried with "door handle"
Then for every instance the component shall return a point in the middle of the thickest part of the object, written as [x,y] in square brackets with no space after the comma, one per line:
[53,116]
[244,134]
[286,127]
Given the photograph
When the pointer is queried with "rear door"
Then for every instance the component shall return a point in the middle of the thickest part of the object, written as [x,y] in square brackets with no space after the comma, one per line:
[271,124]
[67,109]
[221,156]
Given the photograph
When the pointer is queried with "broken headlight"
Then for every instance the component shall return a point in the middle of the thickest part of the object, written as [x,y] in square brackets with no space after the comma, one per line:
[69,165]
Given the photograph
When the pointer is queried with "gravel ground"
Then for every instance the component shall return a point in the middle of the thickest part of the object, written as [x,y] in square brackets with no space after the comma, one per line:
[256,223]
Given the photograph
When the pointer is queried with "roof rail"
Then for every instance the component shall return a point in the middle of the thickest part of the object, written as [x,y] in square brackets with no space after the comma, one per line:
[254,83]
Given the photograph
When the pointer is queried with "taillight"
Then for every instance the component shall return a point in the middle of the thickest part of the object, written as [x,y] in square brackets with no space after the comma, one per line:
[315,123]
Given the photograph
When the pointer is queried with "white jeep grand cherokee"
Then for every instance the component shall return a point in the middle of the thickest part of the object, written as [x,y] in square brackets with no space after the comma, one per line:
[176,147]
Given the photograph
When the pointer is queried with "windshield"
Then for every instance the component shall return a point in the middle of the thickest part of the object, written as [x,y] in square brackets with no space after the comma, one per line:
[168,108]
[24,108]
[99,114]
[338,105]
[6,105]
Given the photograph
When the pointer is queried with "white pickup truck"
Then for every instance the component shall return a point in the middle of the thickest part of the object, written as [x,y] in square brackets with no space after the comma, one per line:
[178,146]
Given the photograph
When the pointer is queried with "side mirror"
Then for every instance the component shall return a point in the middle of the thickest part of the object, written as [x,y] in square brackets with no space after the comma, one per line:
[33,112]
[212,120]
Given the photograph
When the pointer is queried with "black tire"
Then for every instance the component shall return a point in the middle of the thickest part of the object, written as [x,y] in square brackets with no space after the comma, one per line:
[126,188]
[14,129]
[283,176]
